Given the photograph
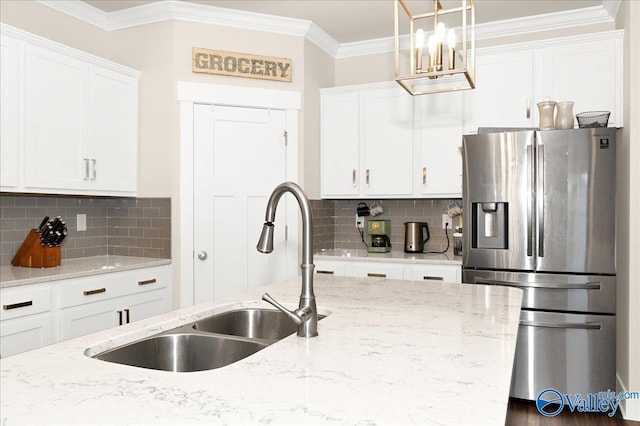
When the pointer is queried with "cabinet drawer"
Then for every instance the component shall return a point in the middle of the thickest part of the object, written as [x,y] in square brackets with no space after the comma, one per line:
[107,286]
[330,267]
[25,334]
[434,272]
[19,302]
[375,270]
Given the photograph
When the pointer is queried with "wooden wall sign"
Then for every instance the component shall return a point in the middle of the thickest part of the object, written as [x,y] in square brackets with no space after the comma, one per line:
[241,65]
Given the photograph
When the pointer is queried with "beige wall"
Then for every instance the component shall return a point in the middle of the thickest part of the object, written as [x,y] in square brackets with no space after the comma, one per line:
[628,238]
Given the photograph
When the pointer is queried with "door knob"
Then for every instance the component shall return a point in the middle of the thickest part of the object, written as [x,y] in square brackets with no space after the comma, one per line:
[202,255]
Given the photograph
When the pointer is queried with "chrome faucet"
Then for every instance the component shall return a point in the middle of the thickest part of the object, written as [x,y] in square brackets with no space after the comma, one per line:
[306,316]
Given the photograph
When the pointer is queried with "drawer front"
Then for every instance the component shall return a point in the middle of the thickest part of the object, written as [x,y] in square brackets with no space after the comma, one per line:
[330,267]
[106,286]
[375,270]
[434,273]
[25,334]
[19,302]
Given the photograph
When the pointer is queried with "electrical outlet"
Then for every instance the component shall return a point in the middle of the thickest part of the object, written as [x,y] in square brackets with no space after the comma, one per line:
[446,221]
[359,222]
[81,222]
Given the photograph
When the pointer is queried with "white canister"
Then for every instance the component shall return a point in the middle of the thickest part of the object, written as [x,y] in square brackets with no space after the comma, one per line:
[564,117]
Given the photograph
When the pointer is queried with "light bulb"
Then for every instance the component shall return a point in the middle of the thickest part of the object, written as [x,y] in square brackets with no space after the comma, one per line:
[432,44]
[451,38]
[440,32]
[419,38]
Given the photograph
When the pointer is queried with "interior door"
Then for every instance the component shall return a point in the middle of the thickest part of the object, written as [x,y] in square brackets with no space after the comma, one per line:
[239,158]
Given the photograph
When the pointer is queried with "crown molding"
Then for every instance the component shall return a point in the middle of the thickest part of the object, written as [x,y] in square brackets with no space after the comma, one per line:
[510,27]
[192,12]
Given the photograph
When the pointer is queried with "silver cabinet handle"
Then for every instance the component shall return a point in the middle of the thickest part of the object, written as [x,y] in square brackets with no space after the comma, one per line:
[93,168]
[146,282]
[202,255]
[528,107]
[424,175]
[376,275]
[96,291]
[580,325]
[367,177]
[319,271]
[86,169]
[428,277]
[353,178]
[17,305]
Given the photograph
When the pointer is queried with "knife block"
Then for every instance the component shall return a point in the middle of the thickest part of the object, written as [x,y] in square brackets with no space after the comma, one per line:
[31,254]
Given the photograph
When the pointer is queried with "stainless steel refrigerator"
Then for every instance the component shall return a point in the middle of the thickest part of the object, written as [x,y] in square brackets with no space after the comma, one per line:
[539,214]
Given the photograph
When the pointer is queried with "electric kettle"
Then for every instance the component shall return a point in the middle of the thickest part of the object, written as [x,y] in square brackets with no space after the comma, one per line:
[414,238]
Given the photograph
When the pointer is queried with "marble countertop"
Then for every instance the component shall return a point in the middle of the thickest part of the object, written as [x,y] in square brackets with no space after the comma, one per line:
[11,276]
[389,352]
[392,256]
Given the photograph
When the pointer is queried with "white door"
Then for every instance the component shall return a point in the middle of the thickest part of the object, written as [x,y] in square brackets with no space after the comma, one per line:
[239,158]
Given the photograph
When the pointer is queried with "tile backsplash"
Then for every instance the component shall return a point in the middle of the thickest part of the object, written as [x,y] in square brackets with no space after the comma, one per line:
[334,222]
[118,226]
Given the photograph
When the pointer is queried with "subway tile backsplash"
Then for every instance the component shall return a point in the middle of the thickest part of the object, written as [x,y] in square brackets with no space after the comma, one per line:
[120,226]
[334,222]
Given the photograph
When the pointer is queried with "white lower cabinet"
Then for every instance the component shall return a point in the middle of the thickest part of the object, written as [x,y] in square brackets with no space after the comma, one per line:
[101,302]
[36,315]
[25,319]
[393,270]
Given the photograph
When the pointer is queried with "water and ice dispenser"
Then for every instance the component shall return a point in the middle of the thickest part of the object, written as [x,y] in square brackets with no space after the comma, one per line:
[490,225]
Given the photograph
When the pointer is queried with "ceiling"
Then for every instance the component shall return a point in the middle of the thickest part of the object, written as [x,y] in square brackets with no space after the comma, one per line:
[357,20]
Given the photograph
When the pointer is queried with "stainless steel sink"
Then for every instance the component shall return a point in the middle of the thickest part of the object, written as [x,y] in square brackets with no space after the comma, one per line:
[182,352]
[206,344]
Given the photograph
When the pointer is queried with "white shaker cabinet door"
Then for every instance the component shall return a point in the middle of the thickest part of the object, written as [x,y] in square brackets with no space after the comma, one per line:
[504,95]
[588,73]
[9,155]
[340,146]
[112,131]
[55,108]
[386,133]
[439,134]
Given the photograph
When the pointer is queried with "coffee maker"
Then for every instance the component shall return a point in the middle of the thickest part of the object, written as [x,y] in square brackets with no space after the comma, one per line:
[379,230]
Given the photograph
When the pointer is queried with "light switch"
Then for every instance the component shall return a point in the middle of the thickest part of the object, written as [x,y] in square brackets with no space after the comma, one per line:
[81,222]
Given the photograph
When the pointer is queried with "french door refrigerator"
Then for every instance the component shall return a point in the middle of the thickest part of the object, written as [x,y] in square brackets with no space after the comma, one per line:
[539,214]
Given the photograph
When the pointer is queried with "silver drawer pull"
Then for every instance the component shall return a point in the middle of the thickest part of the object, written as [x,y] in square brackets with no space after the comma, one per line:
[151,281]
[374,275]
[429,277]
[325,272]
[17,305]
[581,325]
[96,291]
[591,285]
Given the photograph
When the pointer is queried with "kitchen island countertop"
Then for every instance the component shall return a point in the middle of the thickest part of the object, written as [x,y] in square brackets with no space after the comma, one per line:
[389,352]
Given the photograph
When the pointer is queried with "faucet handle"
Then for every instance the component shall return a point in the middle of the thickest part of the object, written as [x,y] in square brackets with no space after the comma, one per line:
[298,316]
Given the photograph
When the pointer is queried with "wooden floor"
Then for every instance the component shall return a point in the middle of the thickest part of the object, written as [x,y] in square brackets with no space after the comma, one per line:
[525,413]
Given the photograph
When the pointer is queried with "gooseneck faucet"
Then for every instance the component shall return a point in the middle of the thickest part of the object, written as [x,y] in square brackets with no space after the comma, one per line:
[306,316]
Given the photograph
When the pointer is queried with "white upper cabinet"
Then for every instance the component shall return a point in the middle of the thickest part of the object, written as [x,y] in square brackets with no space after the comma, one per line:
[9,60]
[504,94]
[367,141]
[589,73]
[77,120]
[438,172]
[386,133]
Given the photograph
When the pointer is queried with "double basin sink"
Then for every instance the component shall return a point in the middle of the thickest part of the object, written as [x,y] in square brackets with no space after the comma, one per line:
[206,344]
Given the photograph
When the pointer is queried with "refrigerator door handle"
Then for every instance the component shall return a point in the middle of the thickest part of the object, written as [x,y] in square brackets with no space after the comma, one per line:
[540,199]
[591,285]
[530,200]
[580,325]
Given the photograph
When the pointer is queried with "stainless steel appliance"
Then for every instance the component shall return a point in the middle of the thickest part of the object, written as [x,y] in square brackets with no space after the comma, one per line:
[540,214]
[414,237]
[379,231]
